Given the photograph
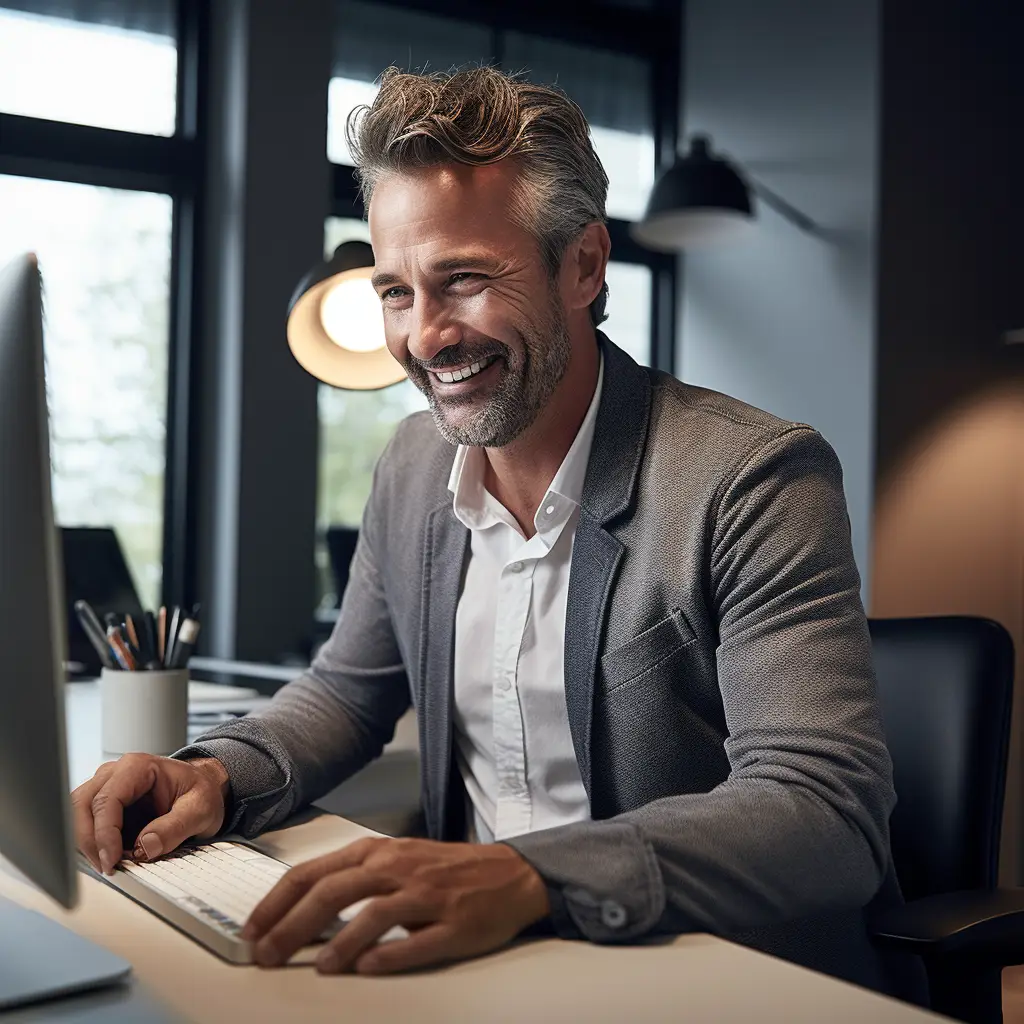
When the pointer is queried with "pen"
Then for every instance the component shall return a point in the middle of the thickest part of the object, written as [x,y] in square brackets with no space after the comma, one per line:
[172,632]
[185,644]
[93,629]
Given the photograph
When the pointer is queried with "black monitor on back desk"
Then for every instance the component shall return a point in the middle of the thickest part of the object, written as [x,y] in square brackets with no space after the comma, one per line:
[95,571]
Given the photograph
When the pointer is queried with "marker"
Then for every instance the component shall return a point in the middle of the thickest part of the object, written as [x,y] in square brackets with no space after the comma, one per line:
[185,643]
[93,629]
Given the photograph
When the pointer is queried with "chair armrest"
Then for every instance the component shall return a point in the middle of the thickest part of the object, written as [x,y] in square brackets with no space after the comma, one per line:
[982,924]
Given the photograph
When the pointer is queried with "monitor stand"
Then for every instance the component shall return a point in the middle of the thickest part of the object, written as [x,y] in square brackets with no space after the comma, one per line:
[40,959]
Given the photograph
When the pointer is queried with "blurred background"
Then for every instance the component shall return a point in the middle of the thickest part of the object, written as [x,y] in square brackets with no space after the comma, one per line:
[179,165]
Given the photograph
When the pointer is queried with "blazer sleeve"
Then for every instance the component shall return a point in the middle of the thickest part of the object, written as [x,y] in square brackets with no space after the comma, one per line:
[326,725]
[800,826]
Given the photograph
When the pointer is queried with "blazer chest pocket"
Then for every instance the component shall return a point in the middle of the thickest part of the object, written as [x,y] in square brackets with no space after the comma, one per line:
[647,650]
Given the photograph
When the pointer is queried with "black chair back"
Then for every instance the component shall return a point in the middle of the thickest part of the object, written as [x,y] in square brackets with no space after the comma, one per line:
[945,685]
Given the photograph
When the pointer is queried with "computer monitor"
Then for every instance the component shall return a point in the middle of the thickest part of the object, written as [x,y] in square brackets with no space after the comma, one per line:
[38,959]
[95,570]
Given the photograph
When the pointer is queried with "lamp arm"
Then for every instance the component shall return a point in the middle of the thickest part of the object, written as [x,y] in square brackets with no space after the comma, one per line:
[787,210]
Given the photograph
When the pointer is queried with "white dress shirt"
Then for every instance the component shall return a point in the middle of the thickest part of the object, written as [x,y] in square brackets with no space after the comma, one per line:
[513,744]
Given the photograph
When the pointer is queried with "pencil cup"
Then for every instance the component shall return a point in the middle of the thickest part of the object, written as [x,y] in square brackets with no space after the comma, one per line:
[144,712]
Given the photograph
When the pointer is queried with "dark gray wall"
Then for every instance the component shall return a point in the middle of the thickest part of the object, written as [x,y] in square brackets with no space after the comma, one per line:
[952,209]
[784,320]
[269,192]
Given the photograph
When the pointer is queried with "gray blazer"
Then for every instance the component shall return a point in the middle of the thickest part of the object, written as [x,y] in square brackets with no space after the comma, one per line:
[718,679]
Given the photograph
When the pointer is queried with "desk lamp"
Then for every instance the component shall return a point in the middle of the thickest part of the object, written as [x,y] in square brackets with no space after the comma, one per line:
[335,323]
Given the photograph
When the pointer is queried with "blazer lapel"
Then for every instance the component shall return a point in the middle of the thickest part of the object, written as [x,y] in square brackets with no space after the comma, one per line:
[445,544]
[620,435]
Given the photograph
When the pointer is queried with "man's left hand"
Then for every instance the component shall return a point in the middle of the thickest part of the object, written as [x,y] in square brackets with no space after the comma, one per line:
[457,900]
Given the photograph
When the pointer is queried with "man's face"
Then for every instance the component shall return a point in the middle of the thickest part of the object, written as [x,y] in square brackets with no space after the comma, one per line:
[469,307]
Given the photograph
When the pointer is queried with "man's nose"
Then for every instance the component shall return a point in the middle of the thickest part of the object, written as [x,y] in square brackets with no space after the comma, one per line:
[431,330]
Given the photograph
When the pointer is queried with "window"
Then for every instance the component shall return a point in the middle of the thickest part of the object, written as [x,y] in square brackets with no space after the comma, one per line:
[105,260]
[369,38]
[119,72]
[629,309]
[96,177]
[614,92]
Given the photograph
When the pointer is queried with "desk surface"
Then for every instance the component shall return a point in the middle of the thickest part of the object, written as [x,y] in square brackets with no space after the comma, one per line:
[690,978]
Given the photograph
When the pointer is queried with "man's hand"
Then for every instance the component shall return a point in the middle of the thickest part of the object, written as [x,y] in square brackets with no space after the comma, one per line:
[457,900]
[148,805]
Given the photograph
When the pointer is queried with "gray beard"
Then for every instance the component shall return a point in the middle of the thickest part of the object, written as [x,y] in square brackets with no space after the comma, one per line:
[517,399]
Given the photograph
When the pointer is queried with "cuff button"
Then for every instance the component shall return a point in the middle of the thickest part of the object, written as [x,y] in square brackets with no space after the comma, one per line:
[613,914]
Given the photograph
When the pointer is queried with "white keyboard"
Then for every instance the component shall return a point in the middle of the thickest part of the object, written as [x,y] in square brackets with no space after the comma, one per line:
[209,890]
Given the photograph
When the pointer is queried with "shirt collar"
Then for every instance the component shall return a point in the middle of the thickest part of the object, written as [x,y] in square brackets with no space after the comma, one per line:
[476,508]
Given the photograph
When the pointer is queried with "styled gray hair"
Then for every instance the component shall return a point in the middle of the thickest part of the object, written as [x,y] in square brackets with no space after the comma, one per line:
[479,116]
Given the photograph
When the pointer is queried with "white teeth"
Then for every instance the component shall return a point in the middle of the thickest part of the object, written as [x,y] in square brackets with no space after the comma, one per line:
[451,376]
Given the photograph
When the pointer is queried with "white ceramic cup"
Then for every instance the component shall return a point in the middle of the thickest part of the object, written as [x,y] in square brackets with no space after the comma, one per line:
[144,712]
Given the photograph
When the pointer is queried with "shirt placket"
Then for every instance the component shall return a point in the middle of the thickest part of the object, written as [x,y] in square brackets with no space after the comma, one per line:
[513,812]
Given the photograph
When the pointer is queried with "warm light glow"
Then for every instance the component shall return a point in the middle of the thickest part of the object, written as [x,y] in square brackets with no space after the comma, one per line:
[351,315]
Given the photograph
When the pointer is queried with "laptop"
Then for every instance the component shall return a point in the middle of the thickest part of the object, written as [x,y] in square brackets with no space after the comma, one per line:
[95,570]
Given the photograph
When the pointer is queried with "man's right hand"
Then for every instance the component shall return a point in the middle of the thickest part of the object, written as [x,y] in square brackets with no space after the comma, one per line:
[148,805]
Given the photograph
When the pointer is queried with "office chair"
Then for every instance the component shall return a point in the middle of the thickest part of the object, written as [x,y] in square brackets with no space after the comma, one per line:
[945,686]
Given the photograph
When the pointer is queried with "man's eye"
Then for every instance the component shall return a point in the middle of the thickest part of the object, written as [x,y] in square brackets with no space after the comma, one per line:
[393,293]
[463,275]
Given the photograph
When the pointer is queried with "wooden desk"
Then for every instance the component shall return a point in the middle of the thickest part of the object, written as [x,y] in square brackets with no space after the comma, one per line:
[690,978]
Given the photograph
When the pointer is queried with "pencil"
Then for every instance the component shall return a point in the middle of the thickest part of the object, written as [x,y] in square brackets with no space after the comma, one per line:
[132,635]
[161,633]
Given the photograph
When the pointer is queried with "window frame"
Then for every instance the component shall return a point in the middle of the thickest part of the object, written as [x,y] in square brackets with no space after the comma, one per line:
[33,147]
[652,35]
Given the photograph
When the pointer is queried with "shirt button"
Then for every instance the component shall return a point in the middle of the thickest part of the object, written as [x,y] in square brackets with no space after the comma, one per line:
[550,510]
[515,567]
[504,683]
[613,914]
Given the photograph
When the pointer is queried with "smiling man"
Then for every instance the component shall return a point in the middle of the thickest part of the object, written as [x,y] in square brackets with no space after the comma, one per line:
[624,608]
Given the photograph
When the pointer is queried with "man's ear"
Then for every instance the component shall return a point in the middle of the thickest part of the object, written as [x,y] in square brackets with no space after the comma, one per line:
[588,260]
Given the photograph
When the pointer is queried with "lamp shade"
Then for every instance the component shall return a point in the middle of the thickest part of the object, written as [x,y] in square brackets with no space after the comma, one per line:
[701,198]
[335,323]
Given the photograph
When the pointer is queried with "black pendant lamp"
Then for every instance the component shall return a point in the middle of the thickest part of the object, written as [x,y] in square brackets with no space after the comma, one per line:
[336,326]
[701,198]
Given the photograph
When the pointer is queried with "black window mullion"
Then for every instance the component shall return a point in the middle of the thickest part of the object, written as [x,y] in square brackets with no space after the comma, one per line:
[180,545]
[666,82]
[39,148]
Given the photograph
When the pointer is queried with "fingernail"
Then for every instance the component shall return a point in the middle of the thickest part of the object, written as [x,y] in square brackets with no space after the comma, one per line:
[105,862]
[327,961]
[267,954]
[151,845]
